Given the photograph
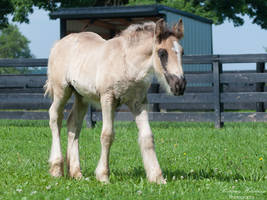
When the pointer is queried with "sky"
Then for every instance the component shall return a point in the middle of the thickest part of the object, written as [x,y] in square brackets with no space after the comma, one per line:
[227,39]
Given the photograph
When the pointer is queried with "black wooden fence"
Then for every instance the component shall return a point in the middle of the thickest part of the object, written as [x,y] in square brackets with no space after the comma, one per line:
[206,98]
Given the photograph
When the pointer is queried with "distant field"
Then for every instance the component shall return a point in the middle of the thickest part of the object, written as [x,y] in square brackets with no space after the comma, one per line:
[199,162]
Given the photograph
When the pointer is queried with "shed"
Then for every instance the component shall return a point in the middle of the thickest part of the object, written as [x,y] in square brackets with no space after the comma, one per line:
[108,21]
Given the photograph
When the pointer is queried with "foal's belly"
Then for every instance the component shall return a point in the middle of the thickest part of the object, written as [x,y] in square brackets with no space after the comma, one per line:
[86,89]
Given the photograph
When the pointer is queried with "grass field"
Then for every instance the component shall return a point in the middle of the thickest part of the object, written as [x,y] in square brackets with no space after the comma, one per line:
[199,162]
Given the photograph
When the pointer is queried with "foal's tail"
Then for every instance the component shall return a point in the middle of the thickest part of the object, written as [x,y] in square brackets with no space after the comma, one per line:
[48,88]
[48,84]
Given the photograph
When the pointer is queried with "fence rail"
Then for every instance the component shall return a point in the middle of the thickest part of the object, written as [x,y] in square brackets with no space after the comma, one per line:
[209,103]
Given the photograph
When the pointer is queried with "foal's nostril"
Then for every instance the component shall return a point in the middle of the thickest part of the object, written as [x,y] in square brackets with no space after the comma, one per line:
[177,84]
[181,86]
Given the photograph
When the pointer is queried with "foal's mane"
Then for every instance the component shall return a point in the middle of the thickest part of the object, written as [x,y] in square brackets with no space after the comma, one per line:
[135,32]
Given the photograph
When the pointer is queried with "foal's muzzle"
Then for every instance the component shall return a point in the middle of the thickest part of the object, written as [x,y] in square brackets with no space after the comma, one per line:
[177,84]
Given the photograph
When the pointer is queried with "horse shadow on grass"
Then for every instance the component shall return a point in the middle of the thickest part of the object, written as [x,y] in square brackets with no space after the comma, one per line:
[122,175]
[173,175]
[201,175]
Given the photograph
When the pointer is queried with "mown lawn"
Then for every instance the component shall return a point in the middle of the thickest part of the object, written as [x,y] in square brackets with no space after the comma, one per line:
[199,162]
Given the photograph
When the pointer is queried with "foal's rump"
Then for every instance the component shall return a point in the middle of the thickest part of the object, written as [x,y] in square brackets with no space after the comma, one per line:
[73,61]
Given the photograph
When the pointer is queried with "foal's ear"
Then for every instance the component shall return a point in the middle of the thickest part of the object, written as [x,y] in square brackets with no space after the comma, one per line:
[160,27]
[178,29]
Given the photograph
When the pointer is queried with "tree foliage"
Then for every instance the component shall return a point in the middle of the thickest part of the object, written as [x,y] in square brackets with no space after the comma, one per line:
[219,10]
[13,45]
[20,9]
[216,10]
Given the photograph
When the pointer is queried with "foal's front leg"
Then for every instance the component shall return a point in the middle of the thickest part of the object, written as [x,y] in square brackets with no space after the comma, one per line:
[146,143]
[107,136]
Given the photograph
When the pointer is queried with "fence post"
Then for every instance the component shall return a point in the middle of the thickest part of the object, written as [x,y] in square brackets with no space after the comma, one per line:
[217,89]
[89,117]
[260,87]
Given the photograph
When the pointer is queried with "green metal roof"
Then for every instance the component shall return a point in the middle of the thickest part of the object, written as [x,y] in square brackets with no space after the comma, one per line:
[120,11]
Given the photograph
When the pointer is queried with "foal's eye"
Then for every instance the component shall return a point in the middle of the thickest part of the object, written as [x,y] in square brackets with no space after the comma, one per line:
[162,53]
[163,56]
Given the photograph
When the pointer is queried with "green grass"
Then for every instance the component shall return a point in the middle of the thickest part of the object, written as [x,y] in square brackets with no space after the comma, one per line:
[199,162]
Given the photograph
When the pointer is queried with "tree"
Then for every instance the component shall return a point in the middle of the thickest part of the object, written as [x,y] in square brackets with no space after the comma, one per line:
[216,10]
[13,45]
[20,9]
[220,10]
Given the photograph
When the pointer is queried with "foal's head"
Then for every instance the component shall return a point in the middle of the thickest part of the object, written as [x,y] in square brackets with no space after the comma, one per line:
[168,56]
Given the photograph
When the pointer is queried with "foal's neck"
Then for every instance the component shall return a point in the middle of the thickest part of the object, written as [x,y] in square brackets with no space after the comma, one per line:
[140,56]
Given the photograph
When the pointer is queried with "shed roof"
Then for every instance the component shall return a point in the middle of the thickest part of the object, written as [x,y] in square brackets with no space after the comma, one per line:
[120,11]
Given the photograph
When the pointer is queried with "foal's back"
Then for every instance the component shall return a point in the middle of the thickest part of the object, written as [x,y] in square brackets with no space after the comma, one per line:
[73,61]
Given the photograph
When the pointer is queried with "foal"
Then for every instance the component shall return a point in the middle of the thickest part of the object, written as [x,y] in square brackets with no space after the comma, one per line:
[112,72]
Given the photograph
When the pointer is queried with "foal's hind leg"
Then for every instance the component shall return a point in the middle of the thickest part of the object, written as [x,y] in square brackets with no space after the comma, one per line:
[107,136]
[56,115]
[75,121]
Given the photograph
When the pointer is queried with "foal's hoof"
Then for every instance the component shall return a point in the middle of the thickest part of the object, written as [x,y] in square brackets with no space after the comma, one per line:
[161,181]
[102,174]
[103,179]
[56,170]
[158,180]
[76,174]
